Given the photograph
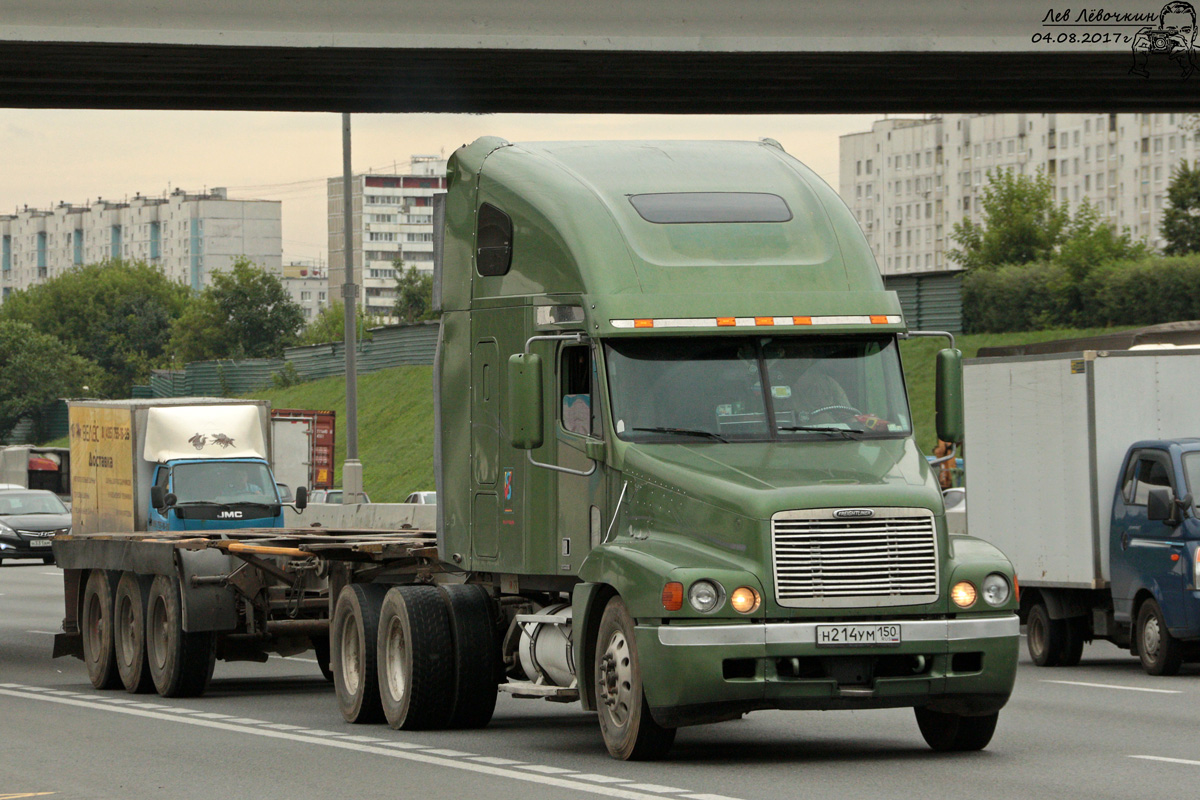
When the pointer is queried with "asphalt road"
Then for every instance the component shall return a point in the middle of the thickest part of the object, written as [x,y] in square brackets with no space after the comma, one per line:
[1103,729]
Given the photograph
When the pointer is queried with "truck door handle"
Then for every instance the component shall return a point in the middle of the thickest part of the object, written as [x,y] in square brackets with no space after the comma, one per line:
[1125,540]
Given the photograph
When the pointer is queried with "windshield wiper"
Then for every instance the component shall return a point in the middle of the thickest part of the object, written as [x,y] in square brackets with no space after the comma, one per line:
[845,433]
[686,432]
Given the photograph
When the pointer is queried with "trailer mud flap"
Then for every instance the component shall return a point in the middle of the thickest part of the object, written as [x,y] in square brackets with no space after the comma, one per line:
[206,607]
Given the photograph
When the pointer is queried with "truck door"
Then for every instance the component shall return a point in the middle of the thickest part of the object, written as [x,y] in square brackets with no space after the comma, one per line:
[581,500]
[1141,549]
[485,447]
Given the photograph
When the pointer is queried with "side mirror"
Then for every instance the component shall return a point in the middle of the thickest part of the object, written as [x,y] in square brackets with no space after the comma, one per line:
[525,420]
[301,501]
[949,396]
[1160,505]
[169,500]
[595,449]
[157,496]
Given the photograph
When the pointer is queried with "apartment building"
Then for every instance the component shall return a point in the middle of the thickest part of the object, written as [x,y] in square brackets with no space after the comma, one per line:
[308,286]
[393,222]
[908,181]
[189,236]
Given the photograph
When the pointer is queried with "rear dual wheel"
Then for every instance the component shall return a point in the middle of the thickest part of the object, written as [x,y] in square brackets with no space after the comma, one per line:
[129,640]
[180,663]
[97,627]
[1054,642]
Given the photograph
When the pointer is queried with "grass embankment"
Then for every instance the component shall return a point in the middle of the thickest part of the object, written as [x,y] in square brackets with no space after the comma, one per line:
[918,356]
[395,426]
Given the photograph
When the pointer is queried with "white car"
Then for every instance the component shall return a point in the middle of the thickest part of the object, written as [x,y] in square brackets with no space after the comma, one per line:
[333,496]
[422,498]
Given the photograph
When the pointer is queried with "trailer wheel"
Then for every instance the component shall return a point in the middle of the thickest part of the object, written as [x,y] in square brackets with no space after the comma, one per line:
[416,659]
[1160,652]
[129,612]
[320,645]
[476,654]
[1045,637]
[181,663]
[353,632]
[97,622]
[630,732]
[955,732]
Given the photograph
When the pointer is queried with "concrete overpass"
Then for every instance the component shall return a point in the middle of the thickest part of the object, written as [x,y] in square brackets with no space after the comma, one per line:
[669,56]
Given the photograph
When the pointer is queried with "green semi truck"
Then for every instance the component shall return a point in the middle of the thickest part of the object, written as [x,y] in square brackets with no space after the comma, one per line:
[676,464]
[676,473]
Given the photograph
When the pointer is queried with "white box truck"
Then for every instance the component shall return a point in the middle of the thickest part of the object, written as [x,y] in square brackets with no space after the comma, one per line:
[1081,469]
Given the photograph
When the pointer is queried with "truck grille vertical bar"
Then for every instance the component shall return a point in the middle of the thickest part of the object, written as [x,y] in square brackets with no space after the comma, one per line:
[887,559]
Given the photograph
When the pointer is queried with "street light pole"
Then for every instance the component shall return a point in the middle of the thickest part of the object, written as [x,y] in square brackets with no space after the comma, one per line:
[352,468]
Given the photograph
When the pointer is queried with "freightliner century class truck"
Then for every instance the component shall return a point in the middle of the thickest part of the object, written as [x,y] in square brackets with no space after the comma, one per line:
[675,465]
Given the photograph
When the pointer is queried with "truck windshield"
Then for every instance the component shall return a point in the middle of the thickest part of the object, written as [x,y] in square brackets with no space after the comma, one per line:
[711,389]
[223,482]
[1191,469]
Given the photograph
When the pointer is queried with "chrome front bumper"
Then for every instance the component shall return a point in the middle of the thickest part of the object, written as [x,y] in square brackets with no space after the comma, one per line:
[805,633]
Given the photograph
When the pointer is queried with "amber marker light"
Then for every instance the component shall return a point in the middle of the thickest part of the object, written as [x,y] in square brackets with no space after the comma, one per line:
[963,594]
[878,319]
[764,320]
[726,322]
[802,320]
[745,600]
[672,596]
[643,323]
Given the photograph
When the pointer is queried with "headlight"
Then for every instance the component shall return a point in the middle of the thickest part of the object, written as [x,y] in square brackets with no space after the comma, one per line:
[963,594]
[706,596]
[745,600]
[5,529]
[995,589]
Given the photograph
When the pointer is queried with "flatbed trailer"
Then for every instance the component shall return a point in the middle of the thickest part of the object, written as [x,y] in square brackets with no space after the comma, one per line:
[235,595]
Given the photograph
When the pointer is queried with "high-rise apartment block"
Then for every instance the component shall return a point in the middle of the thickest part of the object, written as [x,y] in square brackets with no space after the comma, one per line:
[188,236]
[307,285]
[393,222]
[909,181]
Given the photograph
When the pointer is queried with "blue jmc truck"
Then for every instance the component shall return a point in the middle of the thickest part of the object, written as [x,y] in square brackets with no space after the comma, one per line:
[1084,468]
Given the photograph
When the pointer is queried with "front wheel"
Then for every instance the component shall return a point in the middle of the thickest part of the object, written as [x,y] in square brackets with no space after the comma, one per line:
[1161,653]
[954,732]
[629,731]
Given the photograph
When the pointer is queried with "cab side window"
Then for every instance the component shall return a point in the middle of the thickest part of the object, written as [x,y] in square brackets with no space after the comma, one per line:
[160,478]
[575,391]
[1150,473]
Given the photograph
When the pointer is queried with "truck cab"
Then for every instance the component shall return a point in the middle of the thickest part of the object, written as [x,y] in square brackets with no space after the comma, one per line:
[669,394]
[199,494]
[1154,550]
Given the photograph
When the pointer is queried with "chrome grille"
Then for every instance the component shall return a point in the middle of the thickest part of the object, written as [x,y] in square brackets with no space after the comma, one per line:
[885,560]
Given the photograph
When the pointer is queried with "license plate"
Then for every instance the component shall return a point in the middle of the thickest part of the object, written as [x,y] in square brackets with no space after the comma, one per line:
[39,542]
[857,635]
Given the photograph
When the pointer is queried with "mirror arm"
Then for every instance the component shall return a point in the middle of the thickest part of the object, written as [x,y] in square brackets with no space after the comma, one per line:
[941,334]
[933,462]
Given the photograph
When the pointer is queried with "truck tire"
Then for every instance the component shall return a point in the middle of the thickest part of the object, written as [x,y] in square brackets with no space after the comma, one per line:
[416,659]
[129,613]
[1045,637]
[476,654]
[352,642]
[1160,652]
[630,732]
[97,623]
[320,645]
[181,663]
[1074,635]
[954,732]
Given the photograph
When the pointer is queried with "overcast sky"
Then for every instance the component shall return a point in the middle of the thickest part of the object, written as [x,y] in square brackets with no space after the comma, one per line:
[47,157]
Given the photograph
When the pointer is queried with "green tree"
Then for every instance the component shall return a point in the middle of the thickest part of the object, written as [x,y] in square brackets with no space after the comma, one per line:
[35,370]
[245,313]
[414,295]
[1089,241]
[1180,224]
[1021,223]
[116,314]
[330,325]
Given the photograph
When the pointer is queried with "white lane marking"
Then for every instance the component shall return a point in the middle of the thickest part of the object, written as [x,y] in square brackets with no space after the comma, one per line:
[1189,762]
[707,797]
[244,721]
[298,658]
[280,726]
[654,787]
[499,762]
[45,633]
[211,715]
[55,574]
[1114,686]
[449,753]
[599,779]
[22,692]
[547,770]
[361,739]
[404,745]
